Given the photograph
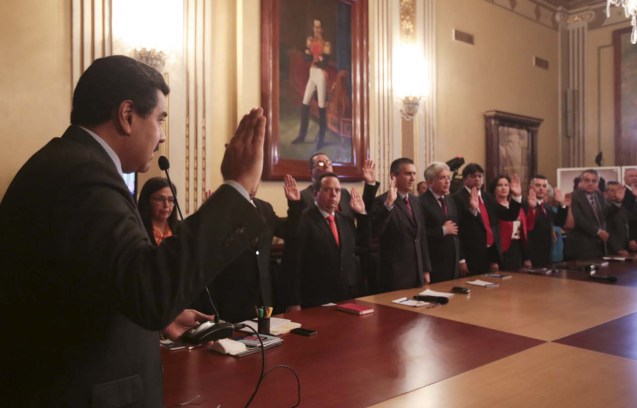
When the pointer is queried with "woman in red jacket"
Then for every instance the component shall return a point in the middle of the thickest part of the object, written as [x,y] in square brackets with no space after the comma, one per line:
[512,233]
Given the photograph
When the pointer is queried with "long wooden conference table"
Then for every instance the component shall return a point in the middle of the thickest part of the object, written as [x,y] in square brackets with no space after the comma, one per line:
[535,341]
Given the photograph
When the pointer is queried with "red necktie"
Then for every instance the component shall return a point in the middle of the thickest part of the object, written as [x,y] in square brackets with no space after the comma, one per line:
[408,204]
[330,219]
[443,205]
[541,205]
[485,221]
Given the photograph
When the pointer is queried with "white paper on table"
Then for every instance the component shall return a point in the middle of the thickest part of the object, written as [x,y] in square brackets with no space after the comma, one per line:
[429,292]
[484,284]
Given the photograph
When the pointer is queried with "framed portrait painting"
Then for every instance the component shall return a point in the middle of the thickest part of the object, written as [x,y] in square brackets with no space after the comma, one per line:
[511,145]
[314,85]
[625,83]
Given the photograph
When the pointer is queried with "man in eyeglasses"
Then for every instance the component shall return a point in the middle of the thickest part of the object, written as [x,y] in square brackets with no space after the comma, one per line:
[320,163]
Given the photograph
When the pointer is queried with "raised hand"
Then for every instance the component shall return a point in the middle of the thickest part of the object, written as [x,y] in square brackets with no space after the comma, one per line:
[290,188]
[515,186]
[620,194]
[369,171]
[558,196]
[392,193]
[356,202]
[531,199]
[474,200]
[243,159]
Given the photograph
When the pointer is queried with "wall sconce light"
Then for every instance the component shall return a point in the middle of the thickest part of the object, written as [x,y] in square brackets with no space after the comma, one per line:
[410,107]
[151,31]
[410,80]
[152,57]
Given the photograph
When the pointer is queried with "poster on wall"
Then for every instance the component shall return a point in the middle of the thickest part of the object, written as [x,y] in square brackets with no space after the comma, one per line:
[567,178]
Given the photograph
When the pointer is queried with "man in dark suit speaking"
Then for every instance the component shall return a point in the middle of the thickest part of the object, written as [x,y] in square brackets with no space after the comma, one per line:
[83,293]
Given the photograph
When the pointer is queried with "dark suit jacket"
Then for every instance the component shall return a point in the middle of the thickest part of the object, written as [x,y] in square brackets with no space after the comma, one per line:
[618,230]
[404,255]
[369,194]
[582,241]
[473,235]
[247,281]
[75,253]
[326,272]
[444,250]
[540,232]
[630,207]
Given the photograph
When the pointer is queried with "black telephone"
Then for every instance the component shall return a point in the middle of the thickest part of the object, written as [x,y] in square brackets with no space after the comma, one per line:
[208,331]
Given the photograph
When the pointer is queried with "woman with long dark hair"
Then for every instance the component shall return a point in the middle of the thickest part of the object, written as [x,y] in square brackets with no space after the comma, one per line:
[156,205]
[513,234]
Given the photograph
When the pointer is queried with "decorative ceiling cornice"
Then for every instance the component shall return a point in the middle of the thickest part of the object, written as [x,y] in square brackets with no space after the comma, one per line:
[554,13]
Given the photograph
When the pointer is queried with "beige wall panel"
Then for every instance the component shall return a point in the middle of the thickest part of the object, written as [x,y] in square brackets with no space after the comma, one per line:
[495,73]
[600,104]
[35,79]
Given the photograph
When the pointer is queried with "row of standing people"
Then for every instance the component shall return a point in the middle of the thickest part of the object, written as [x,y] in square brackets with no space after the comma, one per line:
[340,245]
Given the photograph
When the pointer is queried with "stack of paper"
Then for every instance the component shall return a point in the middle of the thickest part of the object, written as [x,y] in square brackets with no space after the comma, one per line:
[484,284]
[497,275]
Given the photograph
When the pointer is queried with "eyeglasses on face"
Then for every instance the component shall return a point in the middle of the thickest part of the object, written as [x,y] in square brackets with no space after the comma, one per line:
[160,199]
[323,163]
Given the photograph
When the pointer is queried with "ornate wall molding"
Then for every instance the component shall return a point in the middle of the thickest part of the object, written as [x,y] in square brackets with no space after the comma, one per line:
[196,56]
[91,34]
[384,122]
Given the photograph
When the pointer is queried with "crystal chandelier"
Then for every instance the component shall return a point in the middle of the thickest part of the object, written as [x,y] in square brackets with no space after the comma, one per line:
[630,9]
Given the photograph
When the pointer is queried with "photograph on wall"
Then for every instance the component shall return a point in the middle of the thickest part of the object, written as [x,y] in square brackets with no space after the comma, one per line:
[567,178]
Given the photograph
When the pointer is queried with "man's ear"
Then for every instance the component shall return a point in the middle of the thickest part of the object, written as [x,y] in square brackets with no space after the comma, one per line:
[125,117]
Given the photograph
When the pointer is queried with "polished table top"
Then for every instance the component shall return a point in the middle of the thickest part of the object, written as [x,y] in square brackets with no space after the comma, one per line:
[533,341]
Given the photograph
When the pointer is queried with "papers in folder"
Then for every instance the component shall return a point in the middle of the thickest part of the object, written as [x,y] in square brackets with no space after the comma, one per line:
[484,284]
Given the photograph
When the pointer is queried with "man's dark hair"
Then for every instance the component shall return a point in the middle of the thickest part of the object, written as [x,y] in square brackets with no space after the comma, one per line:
[317,184]
[143,205]
[397,164]
[537,176]
[108,82]
[612,183]
[470,169]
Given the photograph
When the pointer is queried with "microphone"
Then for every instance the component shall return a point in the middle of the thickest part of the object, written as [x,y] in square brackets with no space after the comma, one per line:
[603,278]
[441,300]
[164,165]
